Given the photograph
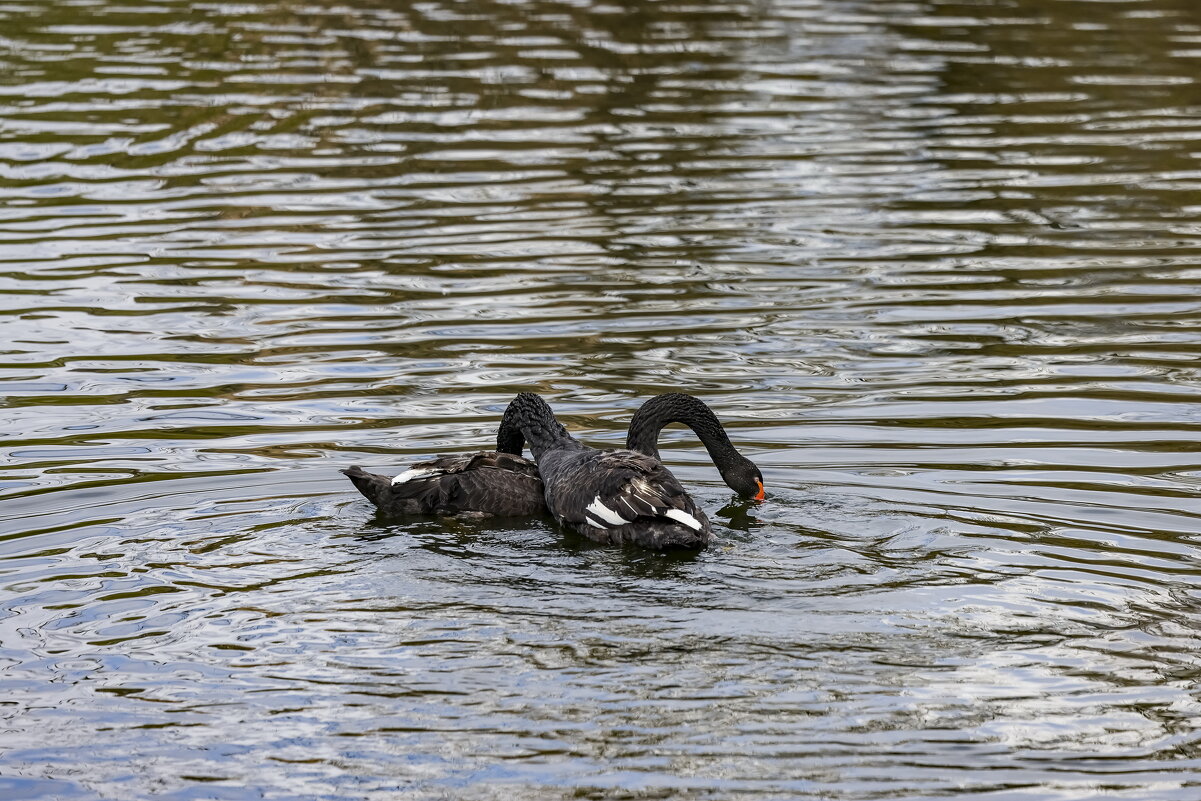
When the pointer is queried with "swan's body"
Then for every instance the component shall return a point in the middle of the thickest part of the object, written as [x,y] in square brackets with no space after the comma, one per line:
[620,497]
[498,483]
[623,497]
[489,483]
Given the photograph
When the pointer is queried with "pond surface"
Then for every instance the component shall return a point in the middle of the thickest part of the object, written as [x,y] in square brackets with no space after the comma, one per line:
[936,263]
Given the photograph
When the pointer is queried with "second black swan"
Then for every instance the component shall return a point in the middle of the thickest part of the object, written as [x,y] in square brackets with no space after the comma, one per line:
[628,497]
[499,483]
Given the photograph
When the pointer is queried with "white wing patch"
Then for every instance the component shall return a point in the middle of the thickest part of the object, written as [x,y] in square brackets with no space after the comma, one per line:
[598,510]
[417,472]
[683,517]
[598,515]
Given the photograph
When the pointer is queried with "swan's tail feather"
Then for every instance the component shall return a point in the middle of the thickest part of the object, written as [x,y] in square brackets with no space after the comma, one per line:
[374,487]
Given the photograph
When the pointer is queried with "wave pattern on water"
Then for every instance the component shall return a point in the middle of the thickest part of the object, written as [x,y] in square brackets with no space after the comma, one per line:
[936,261]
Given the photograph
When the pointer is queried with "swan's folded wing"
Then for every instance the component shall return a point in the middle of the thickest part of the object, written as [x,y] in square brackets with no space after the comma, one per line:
[487,483]
[495,483]
[629,486]
[458,464]
[424,472]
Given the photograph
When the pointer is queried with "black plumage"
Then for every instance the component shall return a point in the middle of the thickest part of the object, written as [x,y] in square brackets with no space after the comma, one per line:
[498,483]
[640,501]
[619,497]
[739,472]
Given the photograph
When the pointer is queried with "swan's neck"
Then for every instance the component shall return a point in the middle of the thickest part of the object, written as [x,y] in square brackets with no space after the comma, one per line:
[663,410]
[509,438]
[530,415]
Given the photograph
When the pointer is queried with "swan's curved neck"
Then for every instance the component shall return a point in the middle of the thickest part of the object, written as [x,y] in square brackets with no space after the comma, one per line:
[533,418]
[676,407]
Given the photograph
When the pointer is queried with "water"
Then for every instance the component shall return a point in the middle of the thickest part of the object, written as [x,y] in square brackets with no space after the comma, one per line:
[936,263]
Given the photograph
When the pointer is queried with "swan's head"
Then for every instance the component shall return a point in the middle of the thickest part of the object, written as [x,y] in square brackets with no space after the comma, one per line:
[509,438]
[744,477]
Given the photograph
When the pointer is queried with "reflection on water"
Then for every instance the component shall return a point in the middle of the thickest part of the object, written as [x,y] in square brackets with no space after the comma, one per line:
[936,262]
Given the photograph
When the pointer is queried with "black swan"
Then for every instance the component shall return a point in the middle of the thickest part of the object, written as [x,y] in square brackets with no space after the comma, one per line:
[497,483]
[627,497]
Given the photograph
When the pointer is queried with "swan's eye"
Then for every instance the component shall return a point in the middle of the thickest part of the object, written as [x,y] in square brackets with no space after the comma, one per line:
[762,492]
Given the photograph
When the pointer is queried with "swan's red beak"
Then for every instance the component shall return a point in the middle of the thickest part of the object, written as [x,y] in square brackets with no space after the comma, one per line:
[762,492]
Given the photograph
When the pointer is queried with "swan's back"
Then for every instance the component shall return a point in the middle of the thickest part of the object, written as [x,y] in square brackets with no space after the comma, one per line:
[488,483]
[622,498]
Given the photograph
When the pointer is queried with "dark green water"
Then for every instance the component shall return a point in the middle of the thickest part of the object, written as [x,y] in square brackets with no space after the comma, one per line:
[938,264]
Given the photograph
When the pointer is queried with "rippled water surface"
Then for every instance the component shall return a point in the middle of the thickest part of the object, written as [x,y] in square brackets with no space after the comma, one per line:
[935,262]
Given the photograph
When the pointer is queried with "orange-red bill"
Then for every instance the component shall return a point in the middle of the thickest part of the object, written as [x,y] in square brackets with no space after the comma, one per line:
[762,492]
